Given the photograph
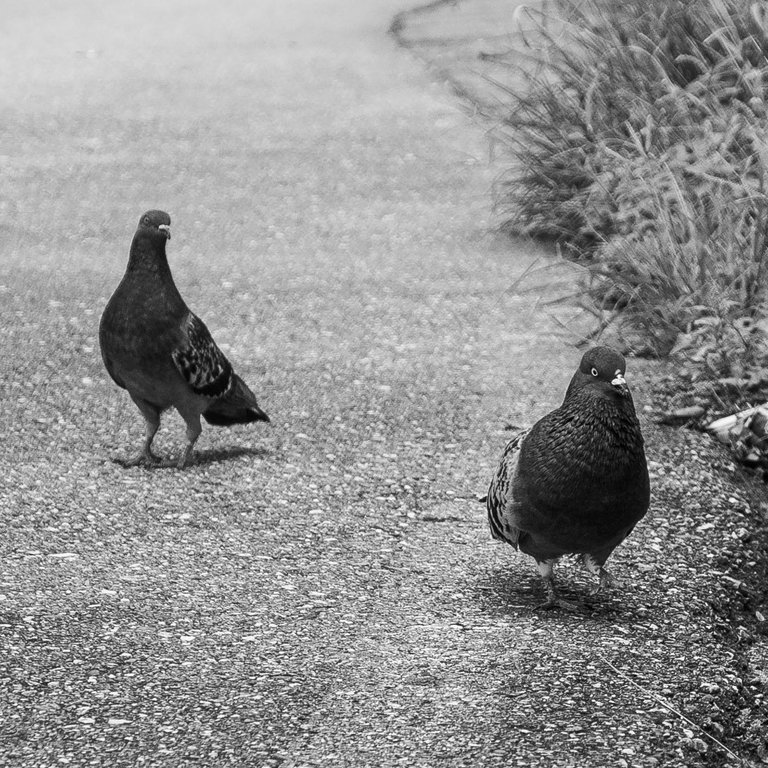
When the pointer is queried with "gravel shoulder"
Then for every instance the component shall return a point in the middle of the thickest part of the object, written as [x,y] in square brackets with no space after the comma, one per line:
[325,591]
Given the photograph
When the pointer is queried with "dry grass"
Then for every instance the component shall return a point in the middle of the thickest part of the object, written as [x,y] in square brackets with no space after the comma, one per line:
[638,144]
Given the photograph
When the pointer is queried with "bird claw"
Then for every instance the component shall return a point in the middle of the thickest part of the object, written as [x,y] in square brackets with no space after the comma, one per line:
[180,463]
[141,459]
[555,601]
[607,581]
[559,602]
[169,464]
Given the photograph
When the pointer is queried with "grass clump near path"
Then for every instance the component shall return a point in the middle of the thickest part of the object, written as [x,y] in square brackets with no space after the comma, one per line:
[639,137]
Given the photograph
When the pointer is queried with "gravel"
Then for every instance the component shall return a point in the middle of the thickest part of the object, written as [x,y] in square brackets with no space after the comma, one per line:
[323,591]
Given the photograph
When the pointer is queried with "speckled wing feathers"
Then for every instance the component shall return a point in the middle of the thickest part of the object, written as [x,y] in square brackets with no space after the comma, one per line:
[201,363]
[500,491]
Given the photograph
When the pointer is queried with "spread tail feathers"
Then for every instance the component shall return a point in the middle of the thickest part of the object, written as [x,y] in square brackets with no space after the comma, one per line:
[238,407]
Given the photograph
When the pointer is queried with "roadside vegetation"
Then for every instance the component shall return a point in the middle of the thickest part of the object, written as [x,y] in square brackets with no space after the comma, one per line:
[639,143]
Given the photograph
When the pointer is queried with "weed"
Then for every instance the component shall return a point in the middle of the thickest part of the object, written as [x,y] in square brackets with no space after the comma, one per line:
[638,143]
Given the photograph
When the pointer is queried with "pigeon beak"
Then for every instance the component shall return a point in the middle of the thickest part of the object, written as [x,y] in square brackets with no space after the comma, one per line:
[166,228]
[620,383]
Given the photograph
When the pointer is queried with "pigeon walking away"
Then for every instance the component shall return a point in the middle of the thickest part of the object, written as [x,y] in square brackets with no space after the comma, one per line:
[163,354]
[577,481]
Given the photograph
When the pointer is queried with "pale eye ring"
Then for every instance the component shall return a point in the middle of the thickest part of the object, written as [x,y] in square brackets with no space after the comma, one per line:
[594,372]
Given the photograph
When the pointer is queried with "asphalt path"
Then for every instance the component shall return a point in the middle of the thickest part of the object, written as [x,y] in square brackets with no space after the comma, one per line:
[322,591]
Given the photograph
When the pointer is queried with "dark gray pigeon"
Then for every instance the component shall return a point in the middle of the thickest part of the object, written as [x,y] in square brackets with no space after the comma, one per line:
[577,481]
[162,353]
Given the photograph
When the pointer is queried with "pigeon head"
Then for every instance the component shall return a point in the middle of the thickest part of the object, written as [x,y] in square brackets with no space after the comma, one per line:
[148,246]
[601,369]
[156,223]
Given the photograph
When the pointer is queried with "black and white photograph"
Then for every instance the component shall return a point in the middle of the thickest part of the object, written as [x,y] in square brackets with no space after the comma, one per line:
[384,384]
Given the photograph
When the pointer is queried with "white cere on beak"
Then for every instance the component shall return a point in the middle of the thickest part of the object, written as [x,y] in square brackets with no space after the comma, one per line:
[165,228]
[618,380]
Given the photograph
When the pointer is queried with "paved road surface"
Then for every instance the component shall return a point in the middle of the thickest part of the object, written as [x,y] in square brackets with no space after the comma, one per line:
[323,592]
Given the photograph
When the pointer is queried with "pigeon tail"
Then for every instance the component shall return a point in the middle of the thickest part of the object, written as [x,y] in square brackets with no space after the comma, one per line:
[238,407]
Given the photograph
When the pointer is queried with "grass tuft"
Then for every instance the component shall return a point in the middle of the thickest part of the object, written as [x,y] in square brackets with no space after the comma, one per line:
[638,139]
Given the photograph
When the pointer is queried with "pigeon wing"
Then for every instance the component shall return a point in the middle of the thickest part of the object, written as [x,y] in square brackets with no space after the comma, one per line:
[201,363]
[500,498]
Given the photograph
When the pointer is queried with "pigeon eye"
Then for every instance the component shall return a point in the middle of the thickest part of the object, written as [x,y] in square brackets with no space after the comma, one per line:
[146,220]
[594,371]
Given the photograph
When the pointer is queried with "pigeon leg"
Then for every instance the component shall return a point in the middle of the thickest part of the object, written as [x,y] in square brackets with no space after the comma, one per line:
[594,565]
[187,452]
[606,581]
[145,456]
[194,429]
[553,599]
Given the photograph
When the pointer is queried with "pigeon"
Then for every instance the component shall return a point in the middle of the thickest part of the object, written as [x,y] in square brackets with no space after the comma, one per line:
[576,482]
[163,354]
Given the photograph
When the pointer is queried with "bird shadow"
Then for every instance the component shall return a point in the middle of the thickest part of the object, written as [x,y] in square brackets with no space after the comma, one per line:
[215,455]
[504,591]
[199,458]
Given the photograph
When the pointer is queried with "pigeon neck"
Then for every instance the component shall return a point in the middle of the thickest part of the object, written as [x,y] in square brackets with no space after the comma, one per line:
[148,255]
[148,269]
[599,399]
